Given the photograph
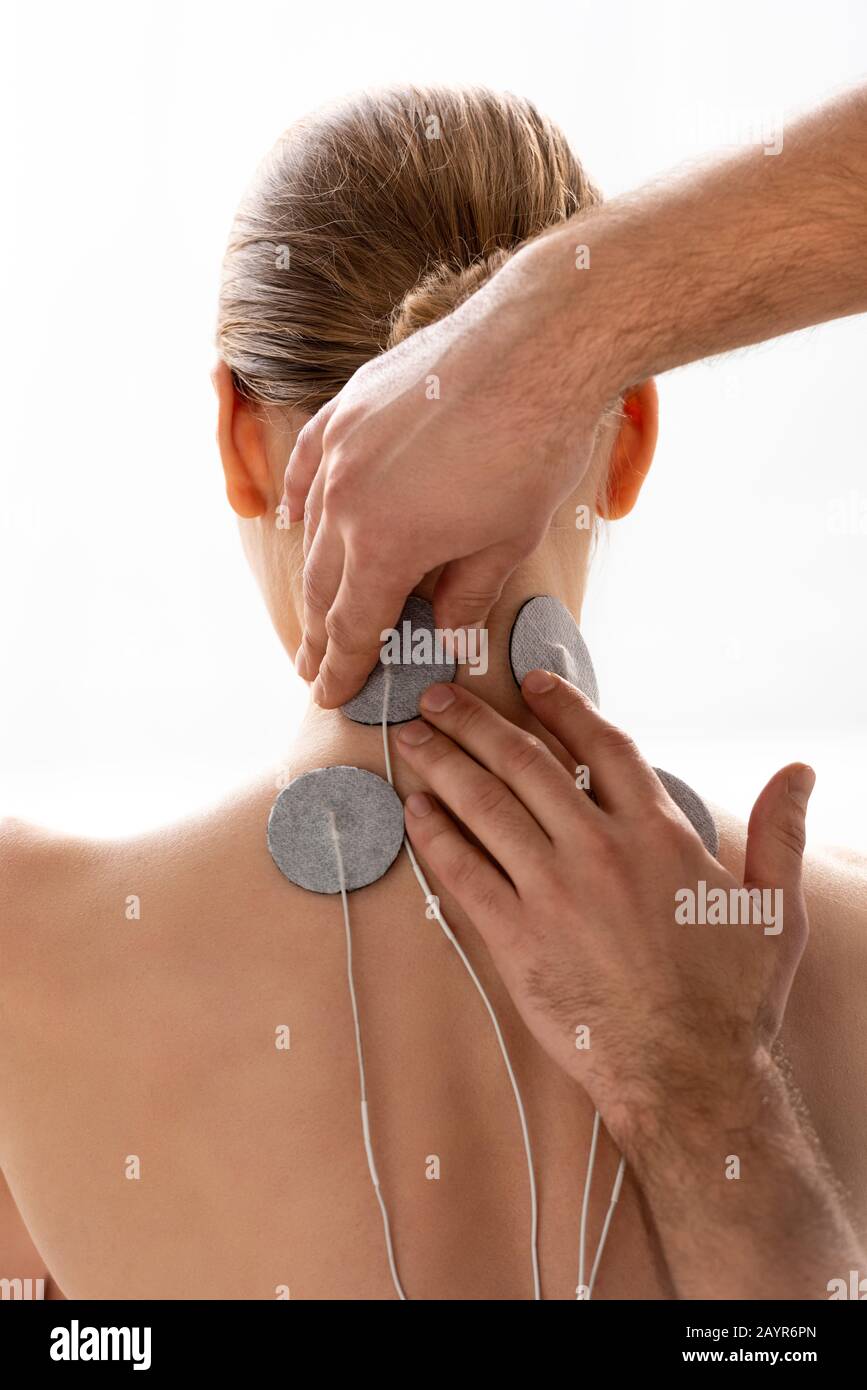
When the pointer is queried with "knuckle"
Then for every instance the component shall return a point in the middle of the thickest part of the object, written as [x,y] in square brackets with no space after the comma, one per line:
[305,449]
[463,870]
[314,595]
[467,715]
[338,486]
[332,431]
[341,632]
[492,798]
[524,753]
[466,877]
[614,740]
[567,698]
[438,750]
[791,834]
[606,853]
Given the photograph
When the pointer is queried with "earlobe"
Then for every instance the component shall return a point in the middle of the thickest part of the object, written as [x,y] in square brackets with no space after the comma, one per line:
[632,453]
[242,447]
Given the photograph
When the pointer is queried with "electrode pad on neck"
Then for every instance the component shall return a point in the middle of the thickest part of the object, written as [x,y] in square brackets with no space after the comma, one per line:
[412,660]
[545,635]
[361,809]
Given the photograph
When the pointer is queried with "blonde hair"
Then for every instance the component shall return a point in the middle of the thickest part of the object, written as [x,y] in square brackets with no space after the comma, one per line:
[372,218]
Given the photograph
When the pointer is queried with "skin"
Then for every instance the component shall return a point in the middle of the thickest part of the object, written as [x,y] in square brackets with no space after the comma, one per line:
[156,1037]
[731,255]
[581,910]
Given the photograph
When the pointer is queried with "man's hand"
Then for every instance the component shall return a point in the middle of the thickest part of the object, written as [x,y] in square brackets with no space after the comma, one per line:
[579,899]
[576,901]
[454,449]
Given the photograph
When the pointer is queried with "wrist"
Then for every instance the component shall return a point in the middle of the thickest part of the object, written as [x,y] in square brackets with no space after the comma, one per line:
[689,1112]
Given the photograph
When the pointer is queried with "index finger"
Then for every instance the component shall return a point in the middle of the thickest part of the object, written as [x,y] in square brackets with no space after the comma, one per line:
[619,775]
[368,601]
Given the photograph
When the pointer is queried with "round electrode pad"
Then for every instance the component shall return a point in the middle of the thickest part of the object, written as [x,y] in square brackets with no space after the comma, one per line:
[545,635]
[693,808]
[367,815]
[411,660]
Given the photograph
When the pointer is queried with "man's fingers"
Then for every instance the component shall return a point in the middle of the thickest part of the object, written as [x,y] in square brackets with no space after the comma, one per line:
[777,833]
[313,511]
[323,571]
[467,589]
[519,759]
[305,460]
[619,776]
[368,602]
[483,803]
[477,886]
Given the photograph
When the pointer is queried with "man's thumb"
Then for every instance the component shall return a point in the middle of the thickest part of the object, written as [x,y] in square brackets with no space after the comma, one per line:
[777,833]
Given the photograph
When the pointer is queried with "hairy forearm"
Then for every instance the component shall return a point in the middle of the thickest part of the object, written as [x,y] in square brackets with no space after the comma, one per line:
[744,250]
[741,1197]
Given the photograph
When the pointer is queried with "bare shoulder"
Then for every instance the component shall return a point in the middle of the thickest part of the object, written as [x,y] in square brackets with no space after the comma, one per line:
[34,862]
[39,873]
[58,890]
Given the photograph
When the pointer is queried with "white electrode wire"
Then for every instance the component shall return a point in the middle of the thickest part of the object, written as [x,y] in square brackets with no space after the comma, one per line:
[434,907]
[362,1080]
[585,1204]
[615,1195]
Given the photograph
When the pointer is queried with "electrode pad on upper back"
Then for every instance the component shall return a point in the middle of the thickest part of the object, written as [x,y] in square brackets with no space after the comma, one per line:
[545,635]
[418,663]
[367,816]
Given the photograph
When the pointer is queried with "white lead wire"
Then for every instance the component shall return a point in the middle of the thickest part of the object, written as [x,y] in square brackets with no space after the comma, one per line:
[433,906]
[615,1196]
[362,1080]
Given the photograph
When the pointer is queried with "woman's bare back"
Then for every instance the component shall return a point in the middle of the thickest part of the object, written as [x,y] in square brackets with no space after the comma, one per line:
[179,1108]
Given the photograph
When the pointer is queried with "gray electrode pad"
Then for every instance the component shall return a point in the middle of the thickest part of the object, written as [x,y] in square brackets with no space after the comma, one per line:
[422,662]
[693,808]
[368,818]
[545,635]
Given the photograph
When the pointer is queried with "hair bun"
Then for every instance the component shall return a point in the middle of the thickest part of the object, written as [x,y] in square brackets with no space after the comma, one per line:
[439,292]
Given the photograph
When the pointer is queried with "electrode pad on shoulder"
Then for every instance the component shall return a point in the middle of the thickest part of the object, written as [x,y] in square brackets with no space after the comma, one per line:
[545,635]
[361,808]
[410,662]
[693,808]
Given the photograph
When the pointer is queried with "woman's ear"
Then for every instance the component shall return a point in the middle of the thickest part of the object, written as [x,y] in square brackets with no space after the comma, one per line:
[632,453]
[241,440]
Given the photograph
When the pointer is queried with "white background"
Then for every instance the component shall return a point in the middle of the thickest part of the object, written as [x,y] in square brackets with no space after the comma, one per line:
[141,677]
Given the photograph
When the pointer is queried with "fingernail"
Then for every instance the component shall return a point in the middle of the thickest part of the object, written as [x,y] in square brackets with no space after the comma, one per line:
[318,691]
[537,682]
[418,804]
[801,783]
[302,663]
[437,698]
[414,733]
